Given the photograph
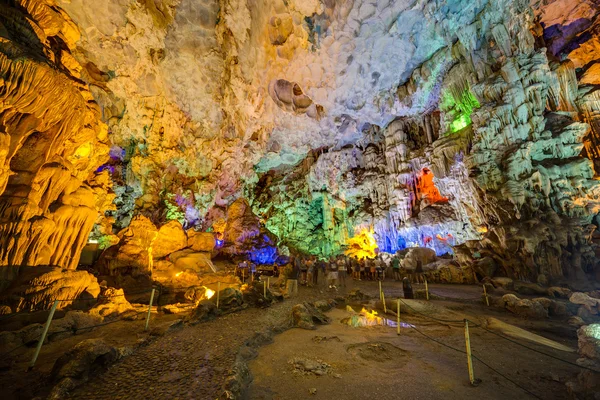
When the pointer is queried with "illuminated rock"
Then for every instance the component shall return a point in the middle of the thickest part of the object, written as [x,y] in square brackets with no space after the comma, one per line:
[171,237]
[201,241]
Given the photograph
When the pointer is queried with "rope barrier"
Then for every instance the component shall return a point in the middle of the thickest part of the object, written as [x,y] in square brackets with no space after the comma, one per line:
[478,359]
[538,351]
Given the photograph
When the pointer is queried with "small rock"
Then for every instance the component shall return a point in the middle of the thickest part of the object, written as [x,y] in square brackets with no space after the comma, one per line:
[576,322]
[337,376]
[312,391]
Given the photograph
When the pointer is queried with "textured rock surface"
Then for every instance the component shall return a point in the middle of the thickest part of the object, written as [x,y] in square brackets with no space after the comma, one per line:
[462,127]
[51,140]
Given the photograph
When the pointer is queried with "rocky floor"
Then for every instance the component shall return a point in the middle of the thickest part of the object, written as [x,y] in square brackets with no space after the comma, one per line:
[196,362]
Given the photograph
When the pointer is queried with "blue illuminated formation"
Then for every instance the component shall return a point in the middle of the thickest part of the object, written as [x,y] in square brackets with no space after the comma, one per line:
[264,255]
[434,237]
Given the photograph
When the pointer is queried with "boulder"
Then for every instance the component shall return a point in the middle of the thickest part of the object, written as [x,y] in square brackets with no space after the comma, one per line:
[133,253]
[529,288]
[111,302]
[448,271]
[357,295]
[307,316]
[325,305]
[204,311]
[229,298]
[590,303]
[576,322]
[485,266]
[503,282]
[198,262]
[554,308]
[73,322]
[10,340]
[524,307]
[36,288]
[587,384]
[201,241]
[171,237]
[77,365]
[422,254]
[559,292]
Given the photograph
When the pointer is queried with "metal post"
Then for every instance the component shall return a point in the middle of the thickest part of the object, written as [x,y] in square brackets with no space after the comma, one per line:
[44,333]
[380,290]
[398,316]
[149,309]
[269,282]
[469,360]
[426,290]
[383,301]
[487,301]
[218,292]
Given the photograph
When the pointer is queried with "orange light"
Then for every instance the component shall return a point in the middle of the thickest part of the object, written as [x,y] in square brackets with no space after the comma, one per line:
[208,293]
[177,275]
[426,189]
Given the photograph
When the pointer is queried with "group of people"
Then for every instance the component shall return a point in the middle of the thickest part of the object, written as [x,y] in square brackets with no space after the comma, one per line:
[305,270]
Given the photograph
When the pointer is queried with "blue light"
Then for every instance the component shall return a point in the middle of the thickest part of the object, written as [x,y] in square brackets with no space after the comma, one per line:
[220,243]
[264,255]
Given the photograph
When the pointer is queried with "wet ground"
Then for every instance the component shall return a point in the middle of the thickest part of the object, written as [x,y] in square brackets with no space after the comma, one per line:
[195,362]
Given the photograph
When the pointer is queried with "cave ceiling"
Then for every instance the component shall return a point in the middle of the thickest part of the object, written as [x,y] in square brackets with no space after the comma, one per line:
[431,123]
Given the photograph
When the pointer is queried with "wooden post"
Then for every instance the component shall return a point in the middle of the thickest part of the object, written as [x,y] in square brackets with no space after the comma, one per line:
[469,360]
[269,282]
[383,301]
[149,309]
[487,301]
[426,290]
[380,291]
[218,292]
[398,315]
[265,289]
[44,333]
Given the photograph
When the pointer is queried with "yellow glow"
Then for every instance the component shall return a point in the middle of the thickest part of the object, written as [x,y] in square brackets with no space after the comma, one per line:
[177,275]
[83,151]
[371,317]
[482,229]
[208,293]
[362,245]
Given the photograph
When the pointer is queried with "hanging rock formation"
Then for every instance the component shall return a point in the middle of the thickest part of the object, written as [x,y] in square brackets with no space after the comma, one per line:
[51,141]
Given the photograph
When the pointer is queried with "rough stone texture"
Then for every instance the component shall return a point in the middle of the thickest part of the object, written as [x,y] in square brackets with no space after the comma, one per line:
[38,287]
[171,237]
[587,384]
[524,307]
[307,316]
[201,241]
[111,302]
[52,141]
[78,364]
[133,253]
[465,128]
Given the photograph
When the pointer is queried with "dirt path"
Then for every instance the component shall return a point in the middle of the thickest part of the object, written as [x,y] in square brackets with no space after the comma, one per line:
[376,363]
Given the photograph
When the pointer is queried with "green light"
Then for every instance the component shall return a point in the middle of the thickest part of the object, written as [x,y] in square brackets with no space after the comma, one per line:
[460,123]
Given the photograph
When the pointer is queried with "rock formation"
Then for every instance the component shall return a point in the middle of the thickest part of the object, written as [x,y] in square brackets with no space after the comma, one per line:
[174,129]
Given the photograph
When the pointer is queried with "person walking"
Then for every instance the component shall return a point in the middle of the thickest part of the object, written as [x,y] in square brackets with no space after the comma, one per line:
[361,274]
[396,268]
[332,276]
[342,271]
[310,265]
[316,271]
[301,263]
[292,271]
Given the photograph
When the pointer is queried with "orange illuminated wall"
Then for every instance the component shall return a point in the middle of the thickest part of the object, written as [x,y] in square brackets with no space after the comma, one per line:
[426,189]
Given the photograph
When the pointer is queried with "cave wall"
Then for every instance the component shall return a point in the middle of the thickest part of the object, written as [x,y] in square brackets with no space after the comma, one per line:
[465,127]
[52,140]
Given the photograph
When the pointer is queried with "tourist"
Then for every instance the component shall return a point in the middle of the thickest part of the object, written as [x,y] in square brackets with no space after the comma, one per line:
[332,277]
[355,269]
[361,275]
[379,265]
[310,264]
[342,270]
[316,268]
[396,268]
[407,288]
[372,269]
[301,264]
[292,271]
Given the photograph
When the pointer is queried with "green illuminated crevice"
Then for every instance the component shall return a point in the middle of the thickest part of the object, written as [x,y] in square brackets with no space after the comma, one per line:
[458,106]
